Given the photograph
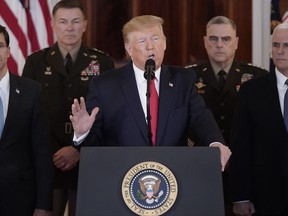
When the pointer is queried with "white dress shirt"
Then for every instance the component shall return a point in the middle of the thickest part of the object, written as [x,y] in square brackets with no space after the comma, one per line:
[142,85]
[282,87]
[5,92]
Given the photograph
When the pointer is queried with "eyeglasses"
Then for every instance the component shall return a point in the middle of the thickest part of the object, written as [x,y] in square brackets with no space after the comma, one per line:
[214,40]
[2,45]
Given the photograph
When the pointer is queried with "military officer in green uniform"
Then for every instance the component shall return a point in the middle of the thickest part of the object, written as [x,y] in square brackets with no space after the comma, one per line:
[65,71]
[222,101]
[219,80]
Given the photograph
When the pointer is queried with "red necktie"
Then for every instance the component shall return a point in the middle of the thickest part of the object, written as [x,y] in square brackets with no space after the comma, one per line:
[153,110]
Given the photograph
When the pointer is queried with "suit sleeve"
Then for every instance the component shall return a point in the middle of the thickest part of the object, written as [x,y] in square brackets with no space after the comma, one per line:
[41,154]
[240,161]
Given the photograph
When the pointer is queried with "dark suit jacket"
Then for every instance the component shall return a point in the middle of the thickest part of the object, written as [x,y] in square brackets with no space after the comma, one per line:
[46,66]
[25,152]
[222,102]
[259,142]
[121,121]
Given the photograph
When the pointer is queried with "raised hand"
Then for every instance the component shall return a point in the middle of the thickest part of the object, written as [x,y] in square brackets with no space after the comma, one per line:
[81,120]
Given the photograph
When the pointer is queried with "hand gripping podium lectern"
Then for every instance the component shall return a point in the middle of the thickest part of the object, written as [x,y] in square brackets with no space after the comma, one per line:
[150,181]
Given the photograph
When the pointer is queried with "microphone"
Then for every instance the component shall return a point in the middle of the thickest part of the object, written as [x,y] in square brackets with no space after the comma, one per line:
[149,75]
[149,69]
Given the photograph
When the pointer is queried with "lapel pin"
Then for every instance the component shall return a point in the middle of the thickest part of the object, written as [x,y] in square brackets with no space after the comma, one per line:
[171,84]
[17,91]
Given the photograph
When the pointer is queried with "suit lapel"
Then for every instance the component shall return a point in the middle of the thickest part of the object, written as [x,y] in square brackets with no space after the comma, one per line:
[14,104]
[272,97]
[207,74]
[55,60]
[233,77]
[166,93]
[130,91]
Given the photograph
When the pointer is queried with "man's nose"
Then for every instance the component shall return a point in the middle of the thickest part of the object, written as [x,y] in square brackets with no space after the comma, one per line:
[150,45]
[219,42]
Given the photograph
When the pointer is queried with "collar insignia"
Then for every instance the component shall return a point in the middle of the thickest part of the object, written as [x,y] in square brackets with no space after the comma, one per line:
[48,71]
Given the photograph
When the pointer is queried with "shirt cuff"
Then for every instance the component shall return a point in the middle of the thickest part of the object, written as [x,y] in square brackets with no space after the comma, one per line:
[78,140]
[242,201]
[213,143]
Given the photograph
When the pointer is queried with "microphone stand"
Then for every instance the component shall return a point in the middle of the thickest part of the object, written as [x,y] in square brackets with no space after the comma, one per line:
[149,75]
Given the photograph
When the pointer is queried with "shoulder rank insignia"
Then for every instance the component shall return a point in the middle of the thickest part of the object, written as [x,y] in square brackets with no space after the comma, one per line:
[100,51]
[93,56]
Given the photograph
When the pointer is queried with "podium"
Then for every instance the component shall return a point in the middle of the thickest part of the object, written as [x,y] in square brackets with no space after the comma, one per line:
[194,174]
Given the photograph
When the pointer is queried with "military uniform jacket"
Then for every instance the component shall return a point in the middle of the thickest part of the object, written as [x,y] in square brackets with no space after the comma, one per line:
[222,102]
[46,66]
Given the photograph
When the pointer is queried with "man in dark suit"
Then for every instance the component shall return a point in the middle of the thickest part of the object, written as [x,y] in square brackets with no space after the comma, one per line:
[221,43]
[25,154]
[64,78]
[118,98]
[259,139]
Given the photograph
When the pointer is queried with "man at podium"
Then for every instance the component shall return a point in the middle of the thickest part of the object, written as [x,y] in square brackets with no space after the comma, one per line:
[118,108]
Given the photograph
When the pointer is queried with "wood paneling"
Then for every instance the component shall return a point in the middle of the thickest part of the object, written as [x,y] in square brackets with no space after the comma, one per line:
[242,15]
[184,25]
[199,13]
[105,21]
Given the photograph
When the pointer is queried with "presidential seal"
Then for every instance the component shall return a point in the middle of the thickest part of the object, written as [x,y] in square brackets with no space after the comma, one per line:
[149,188]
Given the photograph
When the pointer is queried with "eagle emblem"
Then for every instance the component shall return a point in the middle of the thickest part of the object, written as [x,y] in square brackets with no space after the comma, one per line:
[149,186]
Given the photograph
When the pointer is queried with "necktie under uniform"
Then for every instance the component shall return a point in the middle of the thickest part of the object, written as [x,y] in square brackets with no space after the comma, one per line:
[1,116]
[221,81]
[69,62]
[286,106]
[153,110]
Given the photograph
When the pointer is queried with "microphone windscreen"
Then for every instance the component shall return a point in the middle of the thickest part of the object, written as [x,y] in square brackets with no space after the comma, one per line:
[150,64]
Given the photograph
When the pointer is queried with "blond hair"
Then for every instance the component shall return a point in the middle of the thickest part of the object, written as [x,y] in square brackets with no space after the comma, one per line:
[139,22]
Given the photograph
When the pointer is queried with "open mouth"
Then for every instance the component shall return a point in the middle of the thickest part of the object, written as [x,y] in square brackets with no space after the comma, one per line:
[151,56]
